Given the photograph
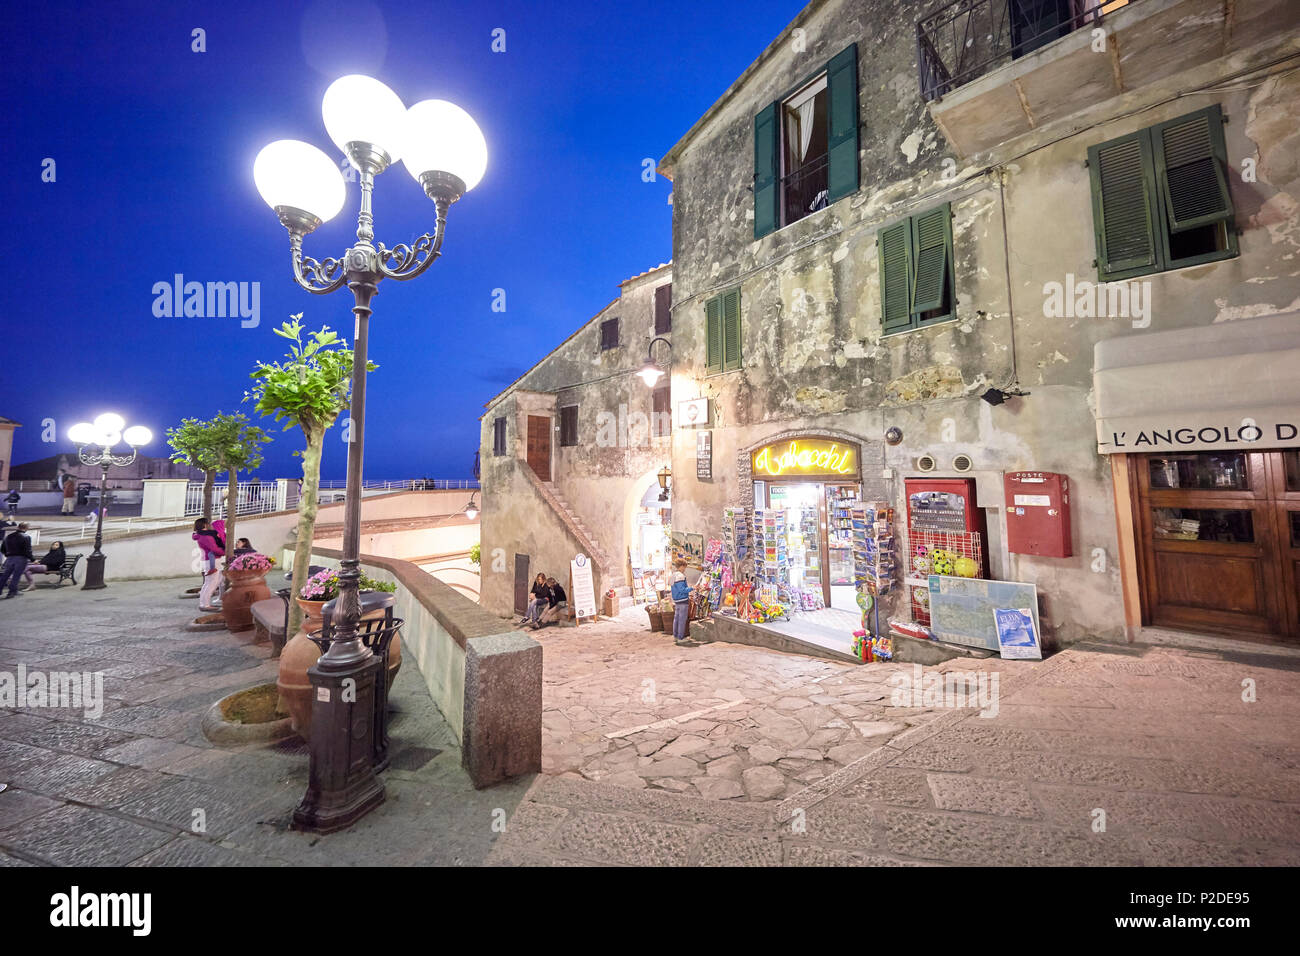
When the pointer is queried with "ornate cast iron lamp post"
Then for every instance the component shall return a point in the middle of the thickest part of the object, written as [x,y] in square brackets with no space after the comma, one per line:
[96,448]
[446,154]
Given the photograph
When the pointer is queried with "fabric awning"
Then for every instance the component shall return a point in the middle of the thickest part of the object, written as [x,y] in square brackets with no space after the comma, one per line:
[1229,386]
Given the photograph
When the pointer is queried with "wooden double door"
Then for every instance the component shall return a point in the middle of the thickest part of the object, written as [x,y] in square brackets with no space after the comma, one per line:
[1219,541]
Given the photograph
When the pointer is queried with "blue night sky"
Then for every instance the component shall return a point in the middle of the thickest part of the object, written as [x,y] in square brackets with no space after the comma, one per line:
[154,147]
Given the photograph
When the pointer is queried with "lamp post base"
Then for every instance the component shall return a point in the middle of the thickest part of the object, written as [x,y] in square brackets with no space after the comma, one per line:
[342,786]
[94,573]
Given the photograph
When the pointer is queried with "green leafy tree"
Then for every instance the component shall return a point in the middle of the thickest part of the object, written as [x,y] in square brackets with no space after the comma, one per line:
[236,446]
[475,554]
[308,389]
[192,445]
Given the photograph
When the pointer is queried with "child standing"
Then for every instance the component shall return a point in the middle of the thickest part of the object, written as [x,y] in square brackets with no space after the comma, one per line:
[681,592]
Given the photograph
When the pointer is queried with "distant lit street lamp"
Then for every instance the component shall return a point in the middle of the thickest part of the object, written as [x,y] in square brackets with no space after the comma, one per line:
[652,371]
[446,154]
[106,432]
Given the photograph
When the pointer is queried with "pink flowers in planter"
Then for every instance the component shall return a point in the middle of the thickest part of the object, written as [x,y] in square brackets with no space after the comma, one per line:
[321,586]
[252,562]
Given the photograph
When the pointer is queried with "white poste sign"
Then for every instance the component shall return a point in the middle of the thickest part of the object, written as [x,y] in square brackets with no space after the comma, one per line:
[583,597]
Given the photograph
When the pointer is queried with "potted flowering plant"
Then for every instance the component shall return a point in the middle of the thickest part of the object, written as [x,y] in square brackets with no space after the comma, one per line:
[301,652]
[246,585]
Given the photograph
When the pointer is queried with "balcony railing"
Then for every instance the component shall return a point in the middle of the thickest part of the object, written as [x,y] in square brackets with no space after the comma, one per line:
[804,190]
[967,38]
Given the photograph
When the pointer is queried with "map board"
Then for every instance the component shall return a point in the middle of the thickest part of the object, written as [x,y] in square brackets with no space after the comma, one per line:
[961,609]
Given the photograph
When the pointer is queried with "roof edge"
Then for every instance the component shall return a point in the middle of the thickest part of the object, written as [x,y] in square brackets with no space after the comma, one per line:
[667,164]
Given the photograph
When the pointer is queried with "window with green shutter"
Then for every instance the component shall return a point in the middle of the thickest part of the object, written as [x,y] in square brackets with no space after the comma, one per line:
[713,334]
[731,330]
[806,146]
[1160,197]
[722,332]
[916,271]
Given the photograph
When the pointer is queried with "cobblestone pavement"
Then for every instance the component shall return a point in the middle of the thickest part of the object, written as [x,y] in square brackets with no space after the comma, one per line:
[1102,755]
[654,754]
[124,789]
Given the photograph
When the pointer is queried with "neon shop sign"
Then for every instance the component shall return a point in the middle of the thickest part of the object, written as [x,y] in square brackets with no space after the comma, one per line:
[805,457]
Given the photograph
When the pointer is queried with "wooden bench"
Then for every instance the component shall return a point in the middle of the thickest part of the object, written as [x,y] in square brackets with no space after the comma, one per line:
[68,572]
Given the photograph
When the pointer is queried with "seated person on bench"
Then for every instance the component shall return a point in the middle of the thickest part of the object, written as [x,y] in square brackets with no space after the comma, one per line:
[52,563]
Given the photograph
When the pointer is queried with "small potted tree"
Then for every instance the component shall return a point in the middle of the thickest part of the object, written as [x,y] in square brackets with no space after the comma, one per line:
[236,447]
[308,389]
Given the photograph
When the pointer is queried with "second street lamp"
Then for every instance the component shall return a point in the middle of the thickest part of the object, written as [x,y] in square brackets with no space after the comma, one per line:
[95,447]
[446,154]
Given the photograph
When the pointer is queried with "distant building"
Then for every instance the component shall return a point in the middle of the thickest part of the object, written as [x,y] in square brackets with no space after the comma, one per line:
[571,450]
[7,427]
[53,467]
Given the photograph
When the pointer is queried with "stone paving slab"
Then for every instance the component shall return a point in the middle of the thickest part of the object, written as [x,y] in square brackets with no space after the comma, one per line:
[140,785]
[1099,756]
[657,755]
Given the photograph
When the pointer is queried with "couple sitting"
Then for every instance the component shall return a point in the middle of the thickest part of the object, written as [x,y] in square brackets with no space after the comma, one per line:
[545,602]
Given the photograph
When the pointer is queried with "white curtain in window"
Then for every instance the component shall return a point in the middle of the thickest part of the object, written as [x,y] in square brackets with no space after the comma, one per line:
[806,126]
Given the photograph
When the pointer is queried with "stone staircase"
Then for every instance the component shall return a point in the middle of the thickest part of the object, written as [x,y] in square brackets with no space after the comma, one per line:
[611,571]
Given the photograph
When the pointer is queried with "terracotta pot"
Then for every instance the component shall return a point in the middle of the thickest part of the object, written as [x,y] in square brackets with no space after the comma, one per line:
[244,589]
[299,654]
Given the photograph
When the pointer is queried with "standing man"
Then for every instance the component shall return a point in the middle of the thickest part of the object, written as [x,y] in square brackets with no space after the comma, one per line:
[12,500]
[69,495]
[17,551]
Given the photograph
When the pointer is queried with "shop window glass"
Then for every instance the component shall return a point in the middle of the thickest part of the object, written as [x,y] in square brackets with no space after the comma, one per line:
[1291,461]
[1203,524]
[1204,472]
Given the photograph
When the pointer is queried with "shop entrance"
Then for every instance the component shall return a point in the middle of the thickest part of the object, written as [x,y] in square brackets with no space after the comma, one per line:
[818,535]
[1219,541]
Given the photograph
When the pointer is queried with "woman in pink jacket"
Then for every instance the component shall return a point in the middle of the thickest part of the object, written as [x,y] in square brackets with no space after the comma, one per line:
[212,545]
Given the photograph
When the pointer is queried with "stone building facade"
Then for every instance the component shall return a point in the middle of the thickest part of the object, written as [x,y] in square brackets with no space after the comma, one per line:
[996,193]
[571,450]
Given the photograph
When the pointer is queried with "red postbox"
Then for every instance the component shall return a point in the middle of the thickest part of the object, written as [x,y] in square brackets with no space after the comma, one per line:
[1038,513]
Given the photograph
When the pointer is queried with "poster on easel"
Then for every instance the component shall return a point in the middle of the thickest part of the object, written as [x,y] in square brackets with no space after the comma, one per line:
[582,589]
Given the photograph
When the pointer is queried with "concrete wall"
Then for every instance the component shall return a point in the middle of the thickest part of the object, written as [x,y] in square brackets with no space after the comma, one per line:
[486,682]
[813,353]
[168,552]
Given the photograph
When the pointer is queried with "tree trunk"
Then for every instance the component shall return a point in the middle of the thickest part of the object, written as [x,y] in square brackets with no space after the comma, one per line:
[209,476]
[232,501]
[306,525]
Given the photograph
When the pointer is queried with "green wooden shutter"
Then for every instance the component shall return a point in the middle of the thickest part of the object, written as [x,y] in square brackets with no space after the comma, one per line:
[1123,206]
[713,334]
[895,249]
[932,233]
[731,330]
[842,89]
[767,141]
[1190,156]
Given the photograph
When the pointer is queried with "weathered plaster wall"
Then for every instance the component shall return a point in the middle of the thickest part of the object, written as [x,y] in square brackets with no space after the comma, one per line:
[813,353]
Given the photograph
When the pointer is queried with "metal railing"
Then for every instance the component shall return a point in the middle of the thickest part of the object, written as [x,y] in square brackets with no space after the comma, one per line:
[250,499]
[804,191]
[965,39]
